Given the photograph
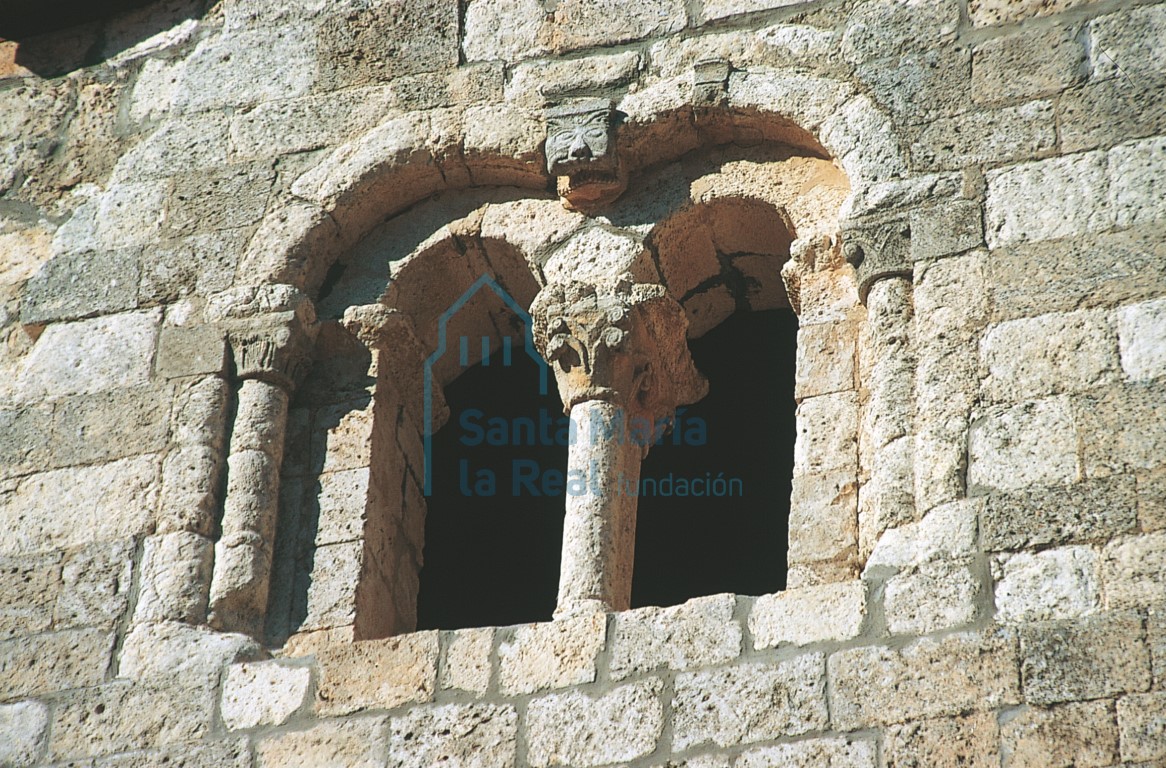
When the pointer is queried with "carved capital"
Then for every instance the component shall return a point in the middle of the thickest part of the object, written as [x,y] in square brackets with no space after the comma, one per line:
[622,343]
[710,82]
[272,340]
[878,251]
[581,152]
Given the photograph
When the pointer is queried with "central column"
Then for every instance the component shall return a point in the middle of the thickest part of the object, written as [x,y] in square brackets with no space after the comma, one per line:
[620,357]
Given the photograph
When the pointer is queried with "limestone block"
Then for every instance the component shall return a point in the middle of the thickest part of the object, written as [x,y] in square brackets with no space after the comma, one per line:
[106,501]
[827,433]
[154,90]
[931,597]
[266,693]
[958,742]
[825,359]
[530,225]
[750,702]
[331,588]
[1142,723]
[1012,447]
[1054,584]
[475,735]
[589,23]
[1080,735]
[580,730]
[698,633]
[503,29]
[90,356]
[1008,134]
[921,86]
[406,672]
[1048,354]
[75,285]
[1123,428]
[23,728]
[191,351]
[92,428]
[1134,171]
[1152,500]
[279,62]
[812,753]
[311,122]
[342,497]
[1090,658]
[95,586]
[351,743]
[190,489]
[183,144]
[876,29]
[1066,275]
[712,10]
[551,655]
[828,296]
[123,716]
[823,521]
[1025,66]
[595,253]
[25,439]
[466,666]
[1123,45]
[704,761]
[1047,199]
[831,612]
[130,214]
[811,101]
[860,133]
[176,576]
[947,531]
[169,652]
[1133,570]
[502,130]
[1141,330]
[218,754]
[535,84]
[1156,637]
[30,586]
[990,12]
[380,42]
[1101,114]
[951,228]
[1088,511]
[928,678]
[200,264]
[225,198]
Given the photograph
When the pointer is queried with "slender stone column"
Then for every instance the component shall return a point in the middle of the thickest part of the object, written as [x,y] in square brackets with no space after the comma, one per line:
[271,356]
[621,361]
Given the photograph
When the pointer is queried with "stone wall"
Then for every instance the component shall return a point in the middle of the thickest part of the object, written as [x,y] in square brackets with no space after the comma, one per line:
[205,209]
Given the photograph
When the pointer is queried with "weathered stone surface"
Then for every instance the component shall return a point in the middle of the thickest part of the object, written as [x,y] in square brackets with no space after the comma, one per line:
[90,356]
[1141,331]
[947,531]
[331,590]
[199,264]
[503,29]
[176,577]
[1089,658]
[88,429]
[107,501]
[475,735]
[1101,114]
[1133,570]
[311,122]
[229,197]
[823,521]
[79,285]
[1070,735]
[25,439]
[932,677]
[989,12]
[1122,46]
[1048,354]
[933,596]
[280,62]
[1025,66]
[23,728]
[825,362]
[719,9]
[30,586]
[1008,134]
[1133,173]
[406,672]
[812,753]
[551,655]
[827,426]
[1142,723]
[200,349]
[584,23]
[1089,511]
[1047,199]
[577,729]
[342,497]
[959,742]
[266,693]
[701,632]
[180,145]
[466,666]
[95,586]
[749,702]
[352,743]
[876,29]
[595,252]
[219,754]
[353,49]
[123,716]
[169,652]
[951,228]
[1122,428]
[830,612]
[1034,443]
[1055,584]
[537,83]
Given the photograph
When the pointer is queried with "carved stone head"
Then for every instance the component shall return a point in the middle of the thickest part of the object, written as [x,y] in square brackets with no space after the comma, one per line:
[579,137]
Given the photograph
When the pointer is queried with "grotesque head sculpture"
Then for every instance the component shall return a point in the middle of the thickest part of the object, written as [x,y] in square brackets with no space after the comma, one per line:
[580,151]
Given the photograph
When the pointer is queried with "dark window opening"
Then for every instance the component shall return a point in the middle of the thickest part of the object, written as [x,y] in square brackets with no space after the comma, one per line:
[492,555]
[691,546]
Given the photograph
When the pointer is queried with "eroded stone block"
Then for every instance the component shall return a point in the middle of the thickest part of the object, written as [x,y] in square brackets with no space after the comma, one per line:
[1054,584]
[551,655]
[831,612]
[266,693]
[23,729]
[1133,569]
[1088,511]
[577,729]
[1141,332]
[1141,721]
[1089,658]
[1034,443]
[1080,735]
[1048,199]
[466,666]
[353,743]
[478,734]
[812,753]
[934,596]
[406,672]
[701,632]
[959,742]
